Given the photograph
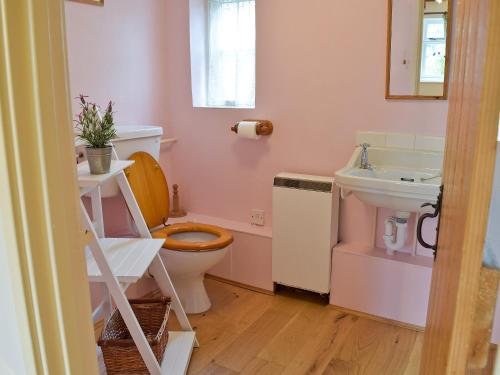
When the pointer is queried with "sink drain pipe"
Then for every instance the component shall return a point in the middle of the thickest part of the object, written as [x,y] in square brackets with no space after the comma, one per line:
[396,232]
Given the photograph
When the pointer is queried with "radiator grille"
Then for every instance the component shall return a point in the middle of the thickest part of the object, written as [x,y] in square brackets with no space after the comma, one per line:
[325,187]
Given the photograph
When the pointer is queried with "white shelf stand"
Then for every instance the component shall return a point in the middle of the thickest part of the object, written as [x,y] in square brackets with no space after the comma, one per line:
[118,262]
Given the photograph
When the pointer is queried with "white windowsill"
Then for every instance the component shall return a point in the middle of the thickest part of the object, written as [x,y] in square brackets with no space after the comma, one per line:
[223,107]
[431,81]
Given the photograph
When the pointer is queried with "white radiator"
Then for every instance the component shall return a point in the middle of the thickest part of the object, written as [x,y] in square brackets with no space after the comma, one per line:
[305,229]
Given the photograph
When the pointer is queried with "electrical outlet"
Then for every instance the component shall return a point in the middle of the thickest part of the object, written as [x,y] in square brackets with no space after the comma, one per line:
[257,217]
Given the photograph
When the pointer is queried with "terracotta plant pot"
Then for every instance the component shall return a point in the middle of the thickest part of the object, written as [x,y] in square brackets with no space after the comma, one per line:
[99,159]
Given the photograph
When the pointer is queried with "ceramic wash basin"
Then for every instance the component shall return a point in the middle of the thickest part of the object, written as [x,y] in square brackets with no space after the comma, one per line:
[398,179]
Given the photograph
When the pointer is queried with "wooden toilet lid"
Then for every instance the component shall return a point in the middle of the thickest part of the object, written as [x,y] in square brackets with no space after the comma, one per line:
[224,237]
[149,185]
[150,188]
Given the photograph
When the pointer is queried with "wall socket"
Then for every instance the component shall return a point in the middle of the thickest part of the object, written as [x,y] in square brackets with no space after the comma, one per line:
[257,217]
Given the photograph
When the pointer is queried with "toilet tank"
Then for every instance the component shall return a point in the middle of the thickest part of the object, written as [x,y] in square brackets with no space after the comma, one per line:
[130,139]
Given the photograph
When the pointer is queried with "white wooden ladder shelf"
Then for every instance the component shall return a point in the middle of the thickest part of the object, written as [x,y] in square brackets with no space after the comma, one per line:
[119,262]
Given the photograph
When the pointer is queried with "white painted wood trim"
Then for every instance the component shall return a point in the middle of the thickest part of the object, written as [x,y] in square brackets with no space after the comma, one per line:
[120,299]
[121,261]
[178,353]
[97,215]
[128,258]
[85,179]
[157,269]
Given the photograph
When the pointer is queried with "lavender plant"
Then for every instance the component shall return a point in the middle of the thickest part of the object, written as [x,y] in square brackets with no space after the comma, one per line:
[95,130]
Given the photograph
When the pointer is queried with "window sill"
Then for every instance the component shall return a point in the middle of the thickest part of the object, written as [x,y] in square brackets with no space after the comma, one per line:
[224,107]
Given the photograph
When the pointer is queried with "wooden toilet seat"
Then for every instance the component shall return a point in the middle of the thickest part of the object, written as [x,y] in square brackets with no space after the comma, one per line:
[224,238]
[150,188]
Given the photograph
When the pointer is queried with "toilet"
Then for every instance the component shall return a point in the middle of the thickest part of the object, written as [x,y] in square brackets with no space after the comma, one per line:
[190,249]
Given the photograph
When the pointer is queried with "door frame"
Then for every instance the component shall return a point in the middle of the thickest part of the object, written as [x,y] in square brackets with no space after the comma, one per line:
[48,259]
[471,139]
[39,194]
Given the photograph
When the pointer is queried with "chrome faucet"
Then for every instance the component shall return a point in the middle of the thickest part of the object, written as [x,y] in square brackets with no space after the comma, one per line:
[364,156]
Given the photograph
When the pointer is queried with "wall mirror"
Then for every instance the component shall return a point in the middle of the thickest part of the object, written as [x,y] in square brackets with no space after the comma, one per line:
[418,46]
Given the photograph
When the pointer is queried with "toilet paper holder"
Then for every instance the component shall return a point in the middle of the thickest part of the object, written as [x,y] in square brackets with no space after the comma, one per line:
[264,127]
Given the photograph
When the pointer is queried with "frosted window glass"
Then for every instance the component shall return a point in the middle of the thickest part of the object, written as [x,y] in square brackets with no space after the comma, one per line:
[231,53]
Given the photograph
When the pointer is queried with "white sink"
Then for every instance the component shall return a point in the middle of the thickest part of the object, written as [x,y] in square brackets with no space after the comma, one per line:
[400,179]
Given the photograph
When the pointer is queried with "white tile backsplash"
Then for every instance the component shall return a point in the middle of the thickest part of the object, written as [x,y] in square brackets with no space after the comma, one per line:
[427,143]
[400,140]
[374,139]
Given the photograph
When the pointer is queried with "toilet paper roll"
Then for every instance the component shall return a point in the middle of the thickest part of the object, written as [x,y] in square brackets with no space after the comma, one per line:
[248,129]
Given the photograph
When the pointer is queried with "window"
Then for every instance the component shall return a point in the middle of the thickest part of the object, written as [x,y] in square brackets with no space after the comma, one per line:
[223,53]
[433,49]
[231,53]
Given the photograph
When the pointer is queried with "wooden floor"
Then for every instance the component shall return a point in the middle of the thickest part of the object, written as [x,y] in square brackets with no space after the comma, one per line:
[250,333]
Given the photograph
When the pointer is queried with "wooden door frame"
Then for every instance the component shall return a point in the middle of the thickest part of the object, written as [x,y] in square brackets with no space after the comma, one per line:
[46,244]
[471,139]
[38,191]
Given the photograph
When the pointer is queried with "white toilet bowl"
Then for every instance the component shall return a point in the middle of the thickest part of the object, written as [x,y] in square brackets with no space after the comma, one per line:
[190,249]
[187,270]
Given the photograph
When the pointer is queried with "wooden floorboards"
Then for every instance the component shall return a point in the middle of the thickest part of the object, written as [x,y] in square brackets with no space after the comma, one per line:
[255,334]
[250,333]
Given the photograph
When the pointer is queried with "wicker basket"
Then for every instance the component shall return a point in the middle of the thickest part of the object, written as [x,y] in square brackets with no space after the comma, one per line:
[120,353]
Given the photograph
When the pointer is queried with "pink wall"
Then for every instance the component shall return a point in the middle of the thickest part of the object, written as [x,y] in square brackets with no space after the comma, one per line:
[320,77]
[317,83]
[118,52]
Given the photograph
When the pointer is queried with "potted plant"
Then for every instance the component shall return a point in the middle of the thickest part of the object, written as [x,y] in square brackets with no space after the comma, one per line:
[96,131]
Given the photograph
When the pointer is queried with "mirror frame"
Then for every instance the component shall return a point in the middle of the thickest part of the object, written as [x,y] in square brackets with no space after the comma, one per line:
[91,2]
[446,66]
